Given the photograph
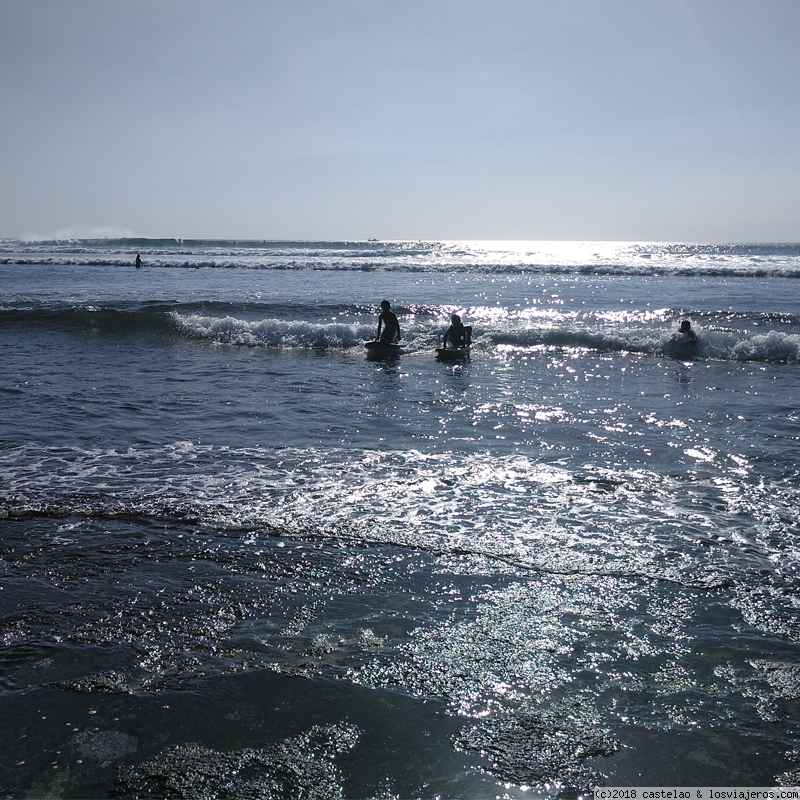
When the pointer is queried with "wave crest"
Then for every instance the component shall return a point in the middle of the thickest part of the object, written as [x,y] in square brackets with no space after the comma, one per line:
[272,332]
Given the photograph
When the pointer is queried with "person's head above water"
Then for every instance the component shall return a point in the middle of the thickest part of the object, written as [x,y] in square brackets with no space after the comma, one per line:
[385,305]
[455,319]
[686,326]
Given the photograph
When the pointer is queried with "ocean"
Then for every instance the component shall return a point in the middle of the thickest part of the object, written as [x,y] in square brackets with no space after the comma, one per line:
[240,559]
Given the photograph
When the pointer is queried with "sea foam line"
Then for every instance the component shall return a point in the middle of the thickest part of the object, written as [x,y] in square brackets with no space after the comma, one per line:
[273,332]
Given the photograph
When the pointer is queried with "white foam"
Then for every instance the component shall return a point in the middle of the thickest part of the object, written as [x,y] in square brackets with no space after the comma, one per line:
[273,332]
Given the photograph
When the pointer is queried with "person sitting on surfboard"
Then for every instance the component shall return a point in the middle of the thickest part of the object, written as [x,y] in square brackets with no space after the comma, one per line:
[391,327]
[686,330]
[460,335]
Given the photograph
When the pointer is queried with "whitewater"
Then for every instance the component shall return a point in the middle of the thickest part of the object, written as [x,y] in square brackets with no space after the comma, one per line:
[239,558]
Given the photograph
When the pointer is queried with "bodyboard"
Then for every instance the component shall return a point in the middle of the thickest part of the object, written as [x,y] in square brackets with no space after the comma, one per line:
[452,353]
[382,350]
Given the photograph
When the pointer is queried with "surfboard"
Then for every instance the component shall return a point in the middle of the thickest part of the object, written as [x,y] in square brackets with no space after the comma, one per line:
[452,353]
[382,350]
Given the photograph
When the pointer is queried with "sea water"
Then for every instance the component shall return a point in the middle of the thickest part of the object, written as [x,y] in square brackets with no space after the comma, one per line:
[239,559]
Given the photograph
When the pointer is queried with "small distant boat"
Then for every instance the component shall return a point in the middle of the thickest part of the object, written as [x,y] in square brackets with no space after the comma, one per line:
[452,353]
[379,350]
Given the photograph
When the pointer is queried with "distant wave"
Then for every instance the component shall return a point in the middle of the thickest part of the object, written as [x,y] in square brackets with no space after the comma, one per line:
[780,269]
[581,258]
[641,249]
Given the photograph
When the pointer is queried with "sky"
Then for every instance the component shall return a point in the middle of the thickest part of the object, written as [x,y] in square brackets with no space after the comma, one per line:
[631,120]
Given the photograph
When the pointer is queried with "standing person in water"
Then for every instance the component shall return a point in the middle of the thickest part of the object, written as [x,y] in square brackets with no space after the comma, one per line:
[138,261]
[391,327]
[460,335]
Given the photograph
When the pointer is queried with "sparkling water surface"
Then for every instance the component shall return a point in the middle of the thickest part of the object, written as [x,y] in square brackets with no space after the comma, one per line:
[241,559]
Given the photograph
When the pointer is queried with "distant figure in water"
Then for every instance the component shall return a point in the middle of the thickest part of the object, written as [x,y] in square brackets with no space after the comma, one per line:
[460,335]
[138,261]
[686,330]
[391,327]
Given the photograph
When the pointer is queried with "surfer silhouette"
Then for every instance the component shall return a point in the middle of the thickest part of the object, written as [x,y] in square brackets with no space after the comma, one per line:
[138,261]
[391,327]
[460,335]
[686,330]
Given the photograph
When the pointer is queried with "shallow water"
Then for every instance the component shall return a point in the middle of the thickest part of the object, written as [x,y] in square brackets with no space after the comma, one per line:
[240,559]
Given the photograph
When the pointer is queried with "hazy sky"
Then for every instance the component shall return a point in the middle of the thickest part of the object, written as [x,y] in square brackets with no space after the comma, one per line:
[413,119]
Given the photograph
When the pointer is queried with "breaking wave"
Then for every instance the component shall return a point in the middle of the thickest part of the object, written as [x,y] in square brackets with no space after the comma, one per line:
[767,338]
